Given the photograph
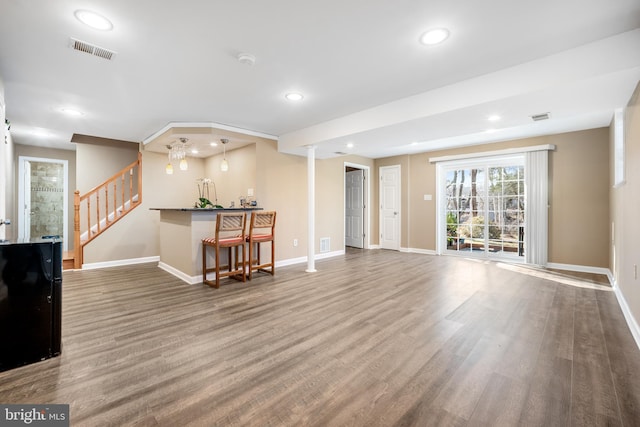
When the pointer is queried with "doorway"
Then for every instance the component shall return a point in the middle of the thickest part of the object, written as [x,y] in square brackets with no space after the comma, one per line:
[43,198]
[356,213]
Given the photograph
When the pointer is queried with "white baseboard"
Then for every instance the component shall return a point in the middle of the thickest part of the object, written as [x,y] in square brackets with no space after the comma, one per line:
[192,280]
[120,262]
[419,251]
[291,261]
[579,268]
[329,254]
[303,259]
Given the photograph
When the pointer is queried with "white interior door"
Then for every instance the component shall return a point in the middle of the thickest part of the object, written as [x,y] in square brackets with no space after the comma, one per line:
[390,207]
[354,209]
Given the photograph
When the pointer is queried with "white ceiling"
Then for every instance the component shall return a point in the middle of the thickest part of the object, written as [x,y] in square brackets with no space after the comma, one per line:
[366,78]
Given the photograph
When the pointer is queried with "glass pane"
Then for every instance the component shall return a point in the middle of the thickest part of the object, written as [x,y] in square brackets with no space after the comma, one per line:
[485,203]
[495,245]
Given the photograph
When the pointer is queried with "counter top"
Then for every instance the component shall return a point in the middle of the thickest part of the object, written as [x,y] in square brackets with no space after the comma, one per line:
[24,241]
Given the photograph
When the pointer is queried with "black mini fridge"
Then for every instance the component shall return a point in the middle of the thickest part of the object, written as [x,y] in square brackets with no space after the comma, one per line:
[30,301]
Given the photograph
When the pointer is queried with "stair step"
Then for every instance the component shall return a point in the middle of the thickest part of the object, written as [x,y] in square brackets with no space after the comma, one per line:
[67,260]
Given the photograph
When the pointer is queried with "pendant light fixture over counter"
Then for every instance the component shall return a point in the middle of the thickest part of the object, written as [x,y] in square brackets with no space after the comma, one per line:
[177,152]
[224,166]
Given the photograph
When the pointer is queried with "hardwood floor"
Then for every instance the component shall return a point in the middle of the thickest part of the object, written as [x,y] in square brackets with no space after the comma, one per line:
[374,338]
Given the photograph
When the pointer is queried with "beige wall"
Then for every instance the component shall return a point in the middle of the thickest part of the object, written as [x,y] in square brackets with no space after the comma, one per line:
[7,174]
[579,193]
[95,163]
[281,185]
[240,177]
[625,207]
[51,153]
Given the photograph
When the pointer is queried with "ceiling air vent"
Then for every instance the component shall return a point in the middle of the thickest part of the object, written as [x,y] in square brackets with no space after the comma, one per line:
[91,49]
[339,153]
[542,116]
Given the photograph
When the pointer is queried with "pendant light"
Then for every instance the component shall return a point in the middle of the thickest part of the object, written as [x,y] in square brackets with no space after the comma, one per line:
[224,166]
[183,155]
[177,152]
[169,168]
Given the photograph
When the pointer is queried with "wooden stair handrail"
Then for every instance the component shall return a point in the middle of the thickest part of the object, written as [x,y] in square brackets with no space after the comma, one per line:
[112,213]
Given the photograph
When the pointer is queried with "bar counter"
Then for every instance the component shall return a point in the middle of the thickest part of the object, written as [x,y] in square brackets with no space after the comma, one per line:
[181,233]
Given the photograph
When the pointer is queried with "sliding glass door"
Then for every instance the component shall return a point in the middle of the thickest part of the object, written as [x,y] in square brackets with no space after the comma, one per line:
[484,207]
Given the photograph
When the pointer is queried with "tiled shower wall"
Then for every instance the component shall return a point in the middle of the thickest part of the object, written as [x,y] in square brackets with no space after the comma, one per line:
[47,199]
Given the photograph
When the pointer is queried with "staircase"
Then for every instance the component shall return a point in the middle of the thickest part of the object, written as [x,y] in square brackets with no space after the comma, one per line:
[103,206]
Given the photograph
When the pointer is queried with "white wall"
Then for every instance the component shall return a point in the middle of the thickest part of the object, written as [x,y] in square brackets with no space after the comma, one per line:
[7,198]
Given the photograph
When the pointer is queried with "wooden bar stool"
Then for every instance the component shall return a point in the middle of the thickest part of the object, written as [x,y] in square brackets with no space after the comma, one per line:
[230,234]
[261,230]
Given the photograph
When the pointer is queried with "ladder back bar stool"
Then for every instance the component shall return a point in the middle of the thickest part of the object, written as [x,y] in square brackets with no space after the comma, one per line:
[230,234]
[261,230]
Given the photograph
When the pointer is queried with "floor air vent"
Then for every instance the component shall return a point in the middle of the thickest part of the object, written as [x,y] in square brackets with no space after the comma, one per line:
[91,49]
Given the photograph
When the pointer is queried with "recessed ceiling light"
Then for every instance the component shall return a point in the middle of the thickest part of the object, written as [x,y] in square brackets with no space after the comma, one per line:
[435,36]
[194,151]
[349,144]
[494,118]
[93,20]
[213,144]
[72,112]
[294,96]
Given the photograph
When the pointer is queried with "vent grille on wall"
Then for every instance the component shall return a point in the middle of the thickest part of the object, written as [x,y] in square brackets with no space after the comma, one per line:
[541,116]
[91,49]
[325,244]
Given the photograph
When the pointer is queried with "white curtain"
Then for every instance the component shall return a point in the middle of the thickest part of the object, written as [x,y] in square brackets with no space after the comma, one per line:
[536,183]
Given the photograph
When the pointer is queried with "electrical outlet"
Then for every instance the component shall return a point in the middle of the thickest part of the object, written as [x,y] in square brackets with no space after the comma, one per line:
[250,192]
[295,242]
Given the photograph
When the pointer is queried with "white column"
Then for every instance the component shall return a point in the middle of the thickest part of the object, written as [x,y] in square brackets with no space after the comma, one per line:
[311,206]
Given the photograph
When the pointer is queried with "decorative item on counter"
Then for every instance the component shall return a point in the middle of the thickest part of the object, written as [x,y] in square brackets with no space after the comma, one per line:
[203,194]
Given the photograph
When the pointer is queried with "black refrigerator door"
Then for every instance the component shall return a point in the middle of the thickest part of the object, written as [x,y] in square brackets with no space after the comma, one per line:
[26,309]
